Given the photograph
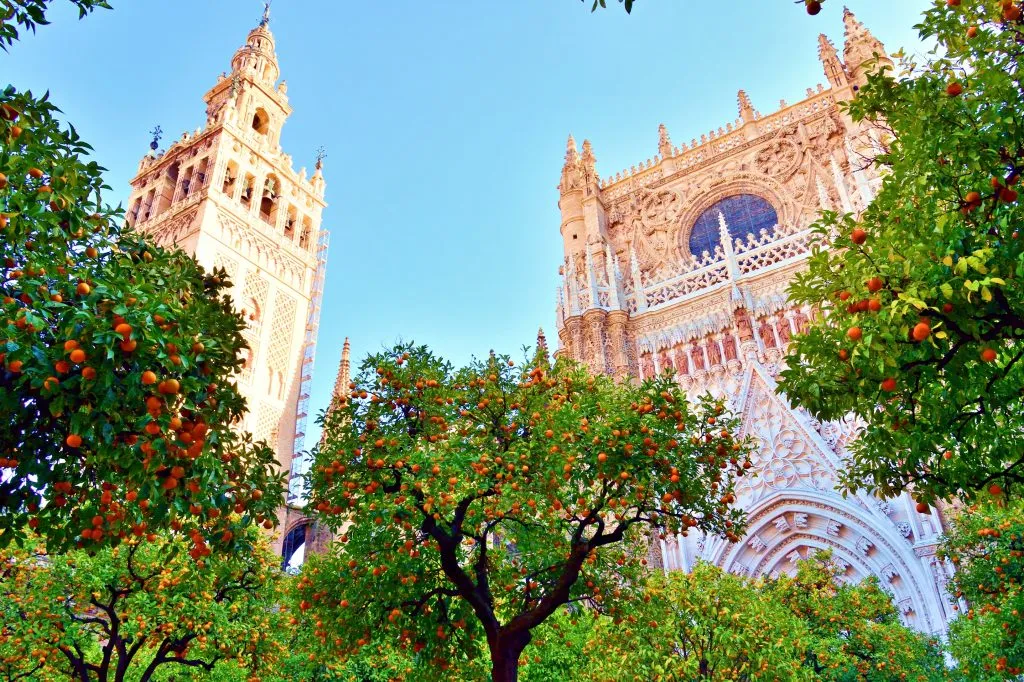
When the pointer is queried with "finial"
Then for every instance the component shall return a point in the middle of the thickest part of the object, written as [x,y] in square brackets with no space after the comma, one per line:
[157,133]
[542,341]
[588,153]
[321,154]
[266,13]
[664,141]
[747,112]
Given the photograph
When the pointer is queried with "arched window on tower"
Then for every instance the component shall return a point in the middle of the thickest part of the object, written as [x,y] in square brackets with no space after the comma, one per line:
[247,190]
[230,178]
[289,223]
[745,214]
[261,121]
[268,202]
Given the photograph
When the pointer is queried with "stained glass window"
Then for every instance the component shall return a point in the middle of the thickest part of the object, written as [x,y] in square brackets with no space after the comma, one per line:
[744,213]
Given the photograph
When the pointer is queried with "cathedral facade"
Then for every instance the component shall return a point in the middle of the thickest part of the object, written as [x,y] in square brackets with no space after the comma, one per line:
[681,265]
[228,195]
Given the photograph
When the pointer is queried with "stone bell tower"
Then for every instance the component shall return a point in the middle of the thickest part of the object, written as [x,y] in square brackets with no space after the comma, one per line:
[228,195]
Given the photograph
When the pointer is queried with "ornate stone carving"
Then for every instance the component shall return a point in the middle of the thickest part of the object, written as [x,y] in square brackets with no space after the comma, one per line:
[864,546]
[780,158]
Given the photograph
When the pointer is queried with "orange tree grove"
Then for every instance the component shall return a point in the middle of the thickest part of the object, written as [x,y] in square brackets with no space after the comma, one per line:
[922,334]
[986,544]
[116,364]
[472,504]
[133,611]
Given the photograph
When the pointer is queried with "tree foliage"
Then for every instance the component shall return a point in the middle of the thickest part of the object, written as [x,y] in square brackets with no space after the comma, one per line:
[704,625]
[116,363]
[854,630]
[116,357]
[126,613]
[473,503]
[922,331]
[31,13]
[986,544]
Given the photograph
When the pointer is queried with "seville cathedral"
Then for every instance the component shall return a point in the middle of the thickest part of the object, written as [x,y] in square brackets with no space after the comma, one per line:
[679,264]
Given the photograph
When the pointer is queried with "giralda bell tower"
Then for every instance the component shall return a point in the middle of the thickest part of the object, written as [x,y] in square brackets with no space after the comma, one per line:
[228,195]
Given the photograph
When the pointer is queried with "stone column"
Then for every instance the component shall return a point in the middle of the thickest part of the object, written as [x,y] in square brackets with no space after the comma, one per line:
[617,333]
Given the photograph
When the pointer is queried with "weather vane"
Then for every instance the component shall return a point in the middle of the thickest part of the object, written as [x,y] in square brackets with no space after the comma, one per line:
[321,154]
[157,133]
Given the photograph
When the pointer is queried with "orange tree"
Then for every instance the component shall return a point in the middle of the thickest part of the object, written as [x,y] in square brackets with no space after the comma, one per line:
[702,625]
[986,544]
[129,612]
[116,363]
[853,630]
[474,503]
[923,328]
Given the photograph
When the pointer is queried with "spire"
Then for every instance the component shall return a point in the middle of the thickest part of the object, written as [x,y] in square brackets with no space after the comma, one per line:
[571,154]
[540,355]
[862,49]
[664,142]
[589,161]
[834,70]
[344,372]
[747,112]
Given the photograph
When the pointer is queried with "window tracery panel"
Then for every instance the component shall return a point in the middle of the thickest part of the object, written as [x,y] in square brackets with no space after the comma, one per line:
[745,214]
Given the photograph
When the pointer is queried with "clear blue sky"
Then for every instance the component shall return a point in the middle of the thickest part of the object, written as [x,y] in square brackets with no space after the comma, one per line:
[445,123]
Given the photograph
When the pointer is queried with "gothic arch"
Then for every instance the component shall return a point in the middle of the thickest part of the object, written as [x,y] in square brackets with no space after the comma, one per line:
[790,525]
[740,183]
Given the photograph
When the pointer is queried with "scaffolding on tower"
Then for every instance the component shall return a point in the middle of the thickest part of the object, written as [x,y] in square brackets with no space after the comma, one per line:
[301,461]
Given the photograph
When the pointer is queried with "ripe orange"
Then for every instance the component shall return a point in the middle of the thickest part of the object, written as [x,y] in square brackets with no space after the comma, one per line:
[988,355]
[83,289]
[73,440]
[124,329]
[70,345]
[148,378]
[875,284]
[89,373]
[129,345]
[14,366]
[169,386]
[35,173]
[922,508]
[954,89]
[995,490]
[859,236]
[888,384]
[972,197]
[854,333]
[922,330]
[972,32]
[77,356]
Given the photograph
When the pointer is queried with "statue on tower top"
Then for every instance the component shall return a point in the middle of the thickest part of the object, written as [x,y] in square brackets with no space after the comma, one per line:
[266,13]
